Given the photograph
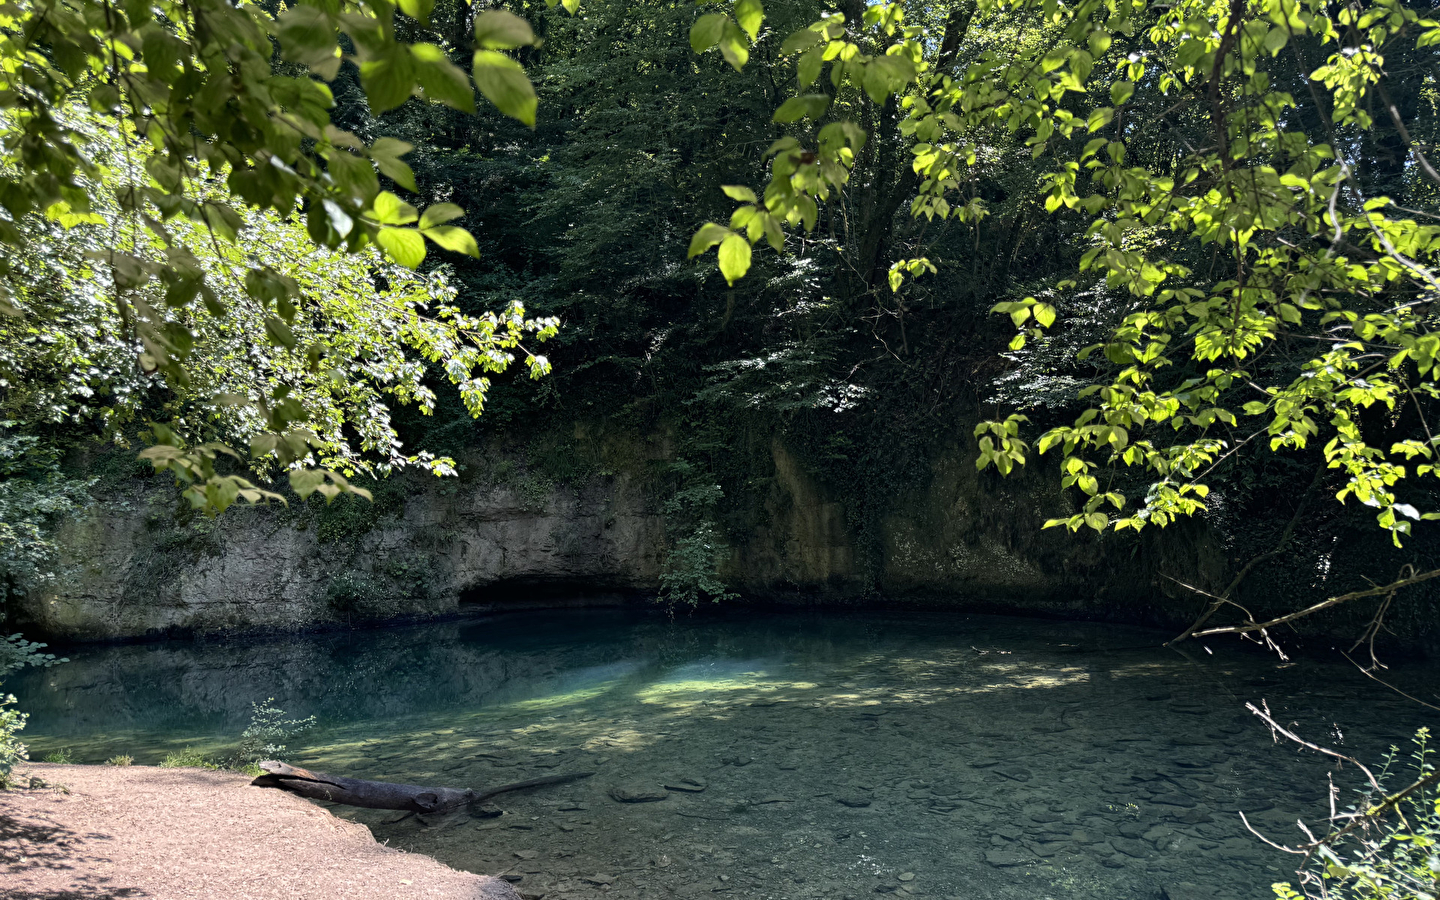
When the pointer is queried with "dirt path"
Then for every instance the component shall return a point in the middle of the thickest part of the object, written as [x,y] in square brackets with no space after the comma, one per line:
[175,834]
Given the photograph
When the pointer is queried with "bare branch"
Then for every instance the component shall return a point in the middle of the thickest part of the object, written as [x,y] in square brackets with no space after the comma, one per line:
[1323,605]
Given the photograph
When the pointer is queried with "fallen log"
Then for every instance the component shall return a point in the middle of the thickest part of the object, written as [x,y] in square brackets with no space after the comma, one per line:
[385,794]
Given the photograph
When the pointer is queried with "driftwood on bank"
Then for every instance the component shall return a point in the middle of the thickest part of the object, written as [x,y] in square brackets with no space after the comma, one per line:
[384,794]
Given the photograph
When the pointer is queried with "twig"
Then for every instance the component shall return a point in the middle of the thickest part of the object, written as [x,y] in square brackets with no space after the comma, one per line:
[1371,674]
[1324,604]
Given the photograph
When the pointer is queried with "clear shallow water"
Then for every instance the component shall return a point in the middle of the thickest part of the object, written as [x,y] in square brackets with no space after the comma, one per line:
[915,754]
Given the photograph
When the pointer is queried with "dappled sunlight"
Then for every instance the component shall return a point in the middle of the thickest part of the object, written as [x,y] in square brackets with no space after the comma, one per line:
[1166,668]
[560,701]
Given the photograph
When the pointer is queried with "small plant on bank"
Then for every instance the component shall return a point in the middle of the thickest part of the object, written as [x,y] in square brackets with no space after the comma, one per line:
[12,752]
[122,759]
[188,758]
[691,570]
[64,756]
[689,574]
[1396,855]
[268,729]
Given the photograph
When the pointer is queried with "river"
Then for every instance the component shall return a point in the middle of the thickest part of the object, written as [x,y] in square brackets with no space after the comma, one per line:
[806,755]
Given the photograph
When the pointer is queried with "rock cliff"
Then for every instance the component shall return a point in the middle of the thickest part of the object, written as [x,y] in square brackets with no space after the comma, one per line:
[424,548]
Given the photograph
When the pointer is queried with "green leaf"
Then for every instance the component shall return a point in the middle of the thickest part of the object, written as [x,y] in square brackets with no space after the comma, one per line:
[1276,39]
[734,258]
[708,236]
[807,70]
[306,35]
[739,192]
[733,46]
[419,10]
[353,174]
[803,39]
[279,333]
[806,106]
[706,31]
[496,29]
[391,210]
[439,214]
[305,481]
[751,15]
[389,80]
[404,245]
[387,152]
[442,80]
[503,82]
[453,238]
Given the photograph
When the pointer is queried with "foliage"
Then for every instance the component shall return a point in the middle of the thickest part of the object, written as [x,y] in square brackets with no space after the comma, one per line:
[12,751]
[16,653]
[1397,858]
[217,136]
[1317,321]
[346,523]
[262,738]
[63,756]
[697,547]
[34,497]
[689,574]
[120,759]
[188,758]
[351,591]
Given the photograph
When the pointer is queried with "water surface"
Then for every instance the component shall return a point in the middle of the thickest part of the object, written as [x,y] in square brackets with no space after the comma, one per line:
[939,755]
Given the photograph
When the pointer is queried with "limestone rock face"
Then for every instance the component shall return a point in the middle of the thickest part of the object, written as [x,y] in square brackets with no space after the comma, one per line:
[130,571]
[512,538]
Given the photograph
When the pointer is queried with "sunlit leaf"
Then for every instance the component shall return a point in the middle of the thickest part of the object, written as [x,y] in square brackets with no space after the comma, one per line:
[734,258]
[503,82]
[404,245]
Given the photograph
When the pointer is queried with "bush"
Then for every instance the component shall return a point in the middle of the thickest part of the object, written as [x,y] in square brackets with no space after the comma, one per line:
[689,574]
[120,760]
[12,752]
[350,592]
[64,756]
[268,727]
[1395,857]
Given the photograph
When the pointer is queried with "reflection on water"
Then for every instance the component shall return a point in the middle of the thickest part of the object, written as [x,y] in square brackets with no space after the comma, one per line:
[807,757]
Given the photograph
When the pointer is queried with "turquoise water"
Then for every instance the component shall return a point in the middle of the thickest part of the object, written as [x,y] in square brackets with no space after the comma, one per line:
[938,755]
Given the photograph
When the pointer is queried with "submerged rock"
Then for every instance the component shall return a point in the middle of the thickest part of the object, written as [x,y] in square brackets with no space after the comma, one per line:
[1006,858]
[638,793]
[687,785]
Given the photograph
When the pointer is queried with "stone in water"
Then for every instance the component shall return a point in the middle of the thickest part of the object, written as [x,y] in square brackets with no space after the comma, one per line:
[1004,859]
[638,793]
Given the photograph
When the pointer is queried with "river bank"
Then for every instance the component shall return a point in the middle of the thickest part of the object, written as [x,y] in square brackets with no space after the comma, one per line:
[110,832]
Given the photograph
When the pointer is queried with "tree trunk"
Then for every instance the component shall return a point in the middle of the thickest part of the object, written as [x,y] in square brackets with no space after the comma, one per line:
[384,794]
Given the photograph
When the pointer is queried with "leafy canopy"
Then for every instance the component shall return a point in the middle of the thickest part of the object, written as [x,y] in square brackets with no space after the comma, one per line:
[222,116]
[1258,240]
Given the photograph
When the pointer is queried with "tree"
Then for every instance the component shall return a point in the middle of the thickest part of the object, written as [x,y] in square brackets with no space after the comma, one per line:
[1320,316]
[222,132]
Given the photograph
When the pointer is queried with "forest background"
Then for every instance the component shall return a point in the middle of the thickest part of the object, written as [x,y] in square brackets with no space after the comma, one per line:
[585,220]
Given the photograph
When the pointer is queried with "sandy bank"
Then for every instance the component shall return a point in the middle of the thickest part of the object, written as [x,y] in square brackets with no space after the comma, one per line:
[174,834]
